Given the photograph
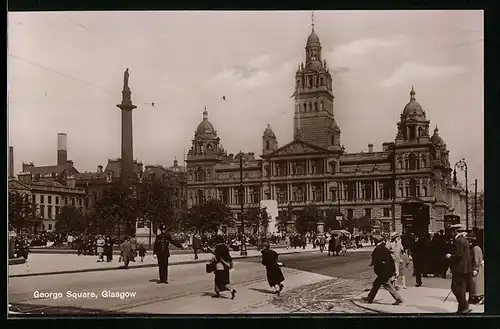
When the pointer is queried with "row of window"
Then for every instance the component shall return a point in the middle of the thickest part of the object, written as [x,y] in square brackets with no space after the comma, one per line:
[386,212]
[66,200]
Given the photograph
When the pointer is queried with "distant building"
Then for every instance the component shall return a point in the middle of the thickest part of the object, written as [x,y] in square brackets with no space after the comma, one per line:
[59,172]
[413,170]
[49,197]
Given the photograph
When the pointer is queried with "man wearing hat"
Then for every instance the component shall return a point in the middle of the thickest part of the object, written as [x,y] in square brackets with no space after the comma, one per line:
[161,251]
[461,267]
[384,267]
[396,248]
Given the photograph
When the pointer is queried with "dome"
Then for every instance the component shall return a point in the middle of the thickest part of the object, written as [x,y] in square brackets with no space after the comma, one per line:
[269,132]
[312,38]
[436,139]
[413,110]
[205,127]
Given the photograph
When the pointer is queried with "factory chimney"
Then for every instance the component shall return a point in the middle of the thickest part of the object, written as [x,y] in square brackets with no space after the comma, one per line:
[11,162]
[62,149]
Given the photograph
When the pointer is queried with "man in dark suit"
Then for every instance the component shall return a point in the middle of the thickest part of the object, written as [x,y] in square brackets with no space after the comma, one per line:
[161,251]
[385,268]
[461,267]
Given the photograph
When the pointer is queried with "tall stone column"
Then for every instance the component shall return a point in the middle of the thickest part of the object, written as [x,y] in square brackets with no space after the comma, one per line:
[127,156]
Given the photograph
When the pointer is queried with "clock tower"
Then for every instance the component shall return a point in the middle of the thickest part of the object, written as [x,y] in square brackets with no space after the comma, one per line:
[204,154]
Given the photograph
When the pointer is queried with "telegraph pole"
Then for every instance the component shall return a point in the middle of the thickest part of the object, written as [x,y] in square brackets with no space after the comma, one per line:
[243,251]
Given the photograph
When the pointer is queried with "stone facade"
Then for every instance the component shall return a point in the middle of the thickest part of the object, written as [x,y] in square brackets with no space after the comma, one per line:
[411,173]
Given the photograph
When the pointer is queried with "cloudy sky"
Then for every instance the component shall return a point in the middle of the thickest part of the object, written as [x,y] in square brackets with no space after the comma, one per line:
[65,73]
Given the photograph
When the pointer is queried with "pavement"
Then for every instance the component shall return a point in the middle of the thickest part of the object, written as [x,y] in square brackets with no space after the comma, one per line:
[52,264]
[429,298]
[189,291]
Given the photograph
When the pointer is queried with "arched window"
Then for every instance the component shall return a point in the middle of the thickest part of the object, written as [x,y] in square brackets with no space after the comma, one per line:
[413,187]
[310,107]
[400,164]
[412,160]
[267,171]
[321,81]
[298,83]
[424,162]
[267,145]
[316,106]
[332,140]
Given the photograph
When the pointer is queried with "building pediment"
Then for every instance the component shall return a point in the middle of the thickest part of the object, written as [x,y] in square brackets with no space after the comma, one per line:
[298,147]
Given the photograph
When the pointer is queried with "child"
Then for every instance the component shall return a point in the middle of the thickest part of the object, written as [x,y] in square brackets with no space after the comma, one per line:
[405,270]
[142,252]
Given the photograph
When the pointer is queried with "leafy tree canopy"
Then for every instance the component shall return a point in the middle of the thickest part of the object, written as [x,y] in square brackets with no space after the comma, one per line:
[70,219]
[208,217]
[22,209]
[308,219]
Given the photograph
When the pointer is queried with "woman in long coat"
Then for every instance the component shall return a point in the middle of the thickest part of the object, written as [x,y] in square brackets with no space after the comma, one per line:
[477,286]
[221,264]
[274,275]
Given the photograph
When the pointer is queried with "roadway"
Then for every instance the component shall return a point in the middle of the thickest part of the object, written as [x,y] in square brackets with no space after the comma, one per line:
[190,289]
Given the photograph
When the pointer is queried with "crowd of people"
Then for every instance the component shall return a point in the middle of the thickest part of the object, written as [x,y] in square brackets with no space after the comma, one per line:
[397,258]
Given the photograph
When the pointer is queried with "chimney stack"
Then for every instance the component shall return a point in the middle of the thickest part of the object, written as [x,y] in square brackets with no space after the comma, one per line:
[62,149]
[11,162]
[370,148]
[71,182]
[99,169]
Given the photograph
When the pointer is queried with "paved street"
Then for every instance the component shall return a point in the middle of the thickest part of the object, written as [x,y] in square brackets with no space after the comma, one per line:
[190,288]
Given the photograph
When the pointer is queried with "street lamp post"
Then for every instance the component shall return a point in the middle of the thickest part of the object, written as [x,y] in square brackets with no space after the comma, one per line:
[475,203]
[463,166]
[243,251]
[394,187]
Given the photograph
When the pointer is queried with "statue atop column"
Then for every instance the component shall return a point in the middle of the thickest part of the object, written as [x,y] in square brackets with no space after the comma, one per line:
[126,76]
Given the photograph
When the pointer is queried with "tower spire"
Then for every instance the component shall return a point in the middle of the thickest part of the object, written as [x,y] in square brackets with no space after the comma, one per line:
[312,21]
[412,94]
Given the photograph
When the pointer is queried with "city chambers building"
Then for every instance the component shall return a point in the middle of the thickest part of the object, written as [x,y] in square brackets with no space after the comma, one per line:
[411,175]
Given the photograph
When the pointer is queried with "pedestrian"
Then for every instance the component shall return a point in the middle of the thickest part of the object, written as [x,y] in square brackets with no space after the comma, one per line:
[108,248]
[220,265]
[100,248]
[126,251]
[161,251]
[384,267]
[196,245]
[405,268]
[461,267]
[419,255]
[395,247]
[133,244]
[142,252]
[477,285]
[275,277]
[287,241]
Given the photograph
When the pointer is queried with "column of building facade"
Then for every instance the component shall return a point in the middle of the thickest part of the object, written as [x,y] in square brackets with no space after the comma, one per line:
[325,191]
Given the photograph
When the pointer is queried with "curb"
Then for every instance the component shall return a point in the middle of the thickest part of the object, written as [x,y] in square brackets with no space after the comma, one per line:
[17,261]
[358,304]
[139,266]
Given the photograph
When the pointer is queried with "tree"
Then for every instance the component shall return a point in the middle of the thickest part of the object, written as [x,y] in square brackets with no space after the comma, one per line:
[331,222]
[70,219]
[207,217]
[308,219]
[21,211]
[282,221]
[252,218]
[154,204]
[116,207]
[257,218]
